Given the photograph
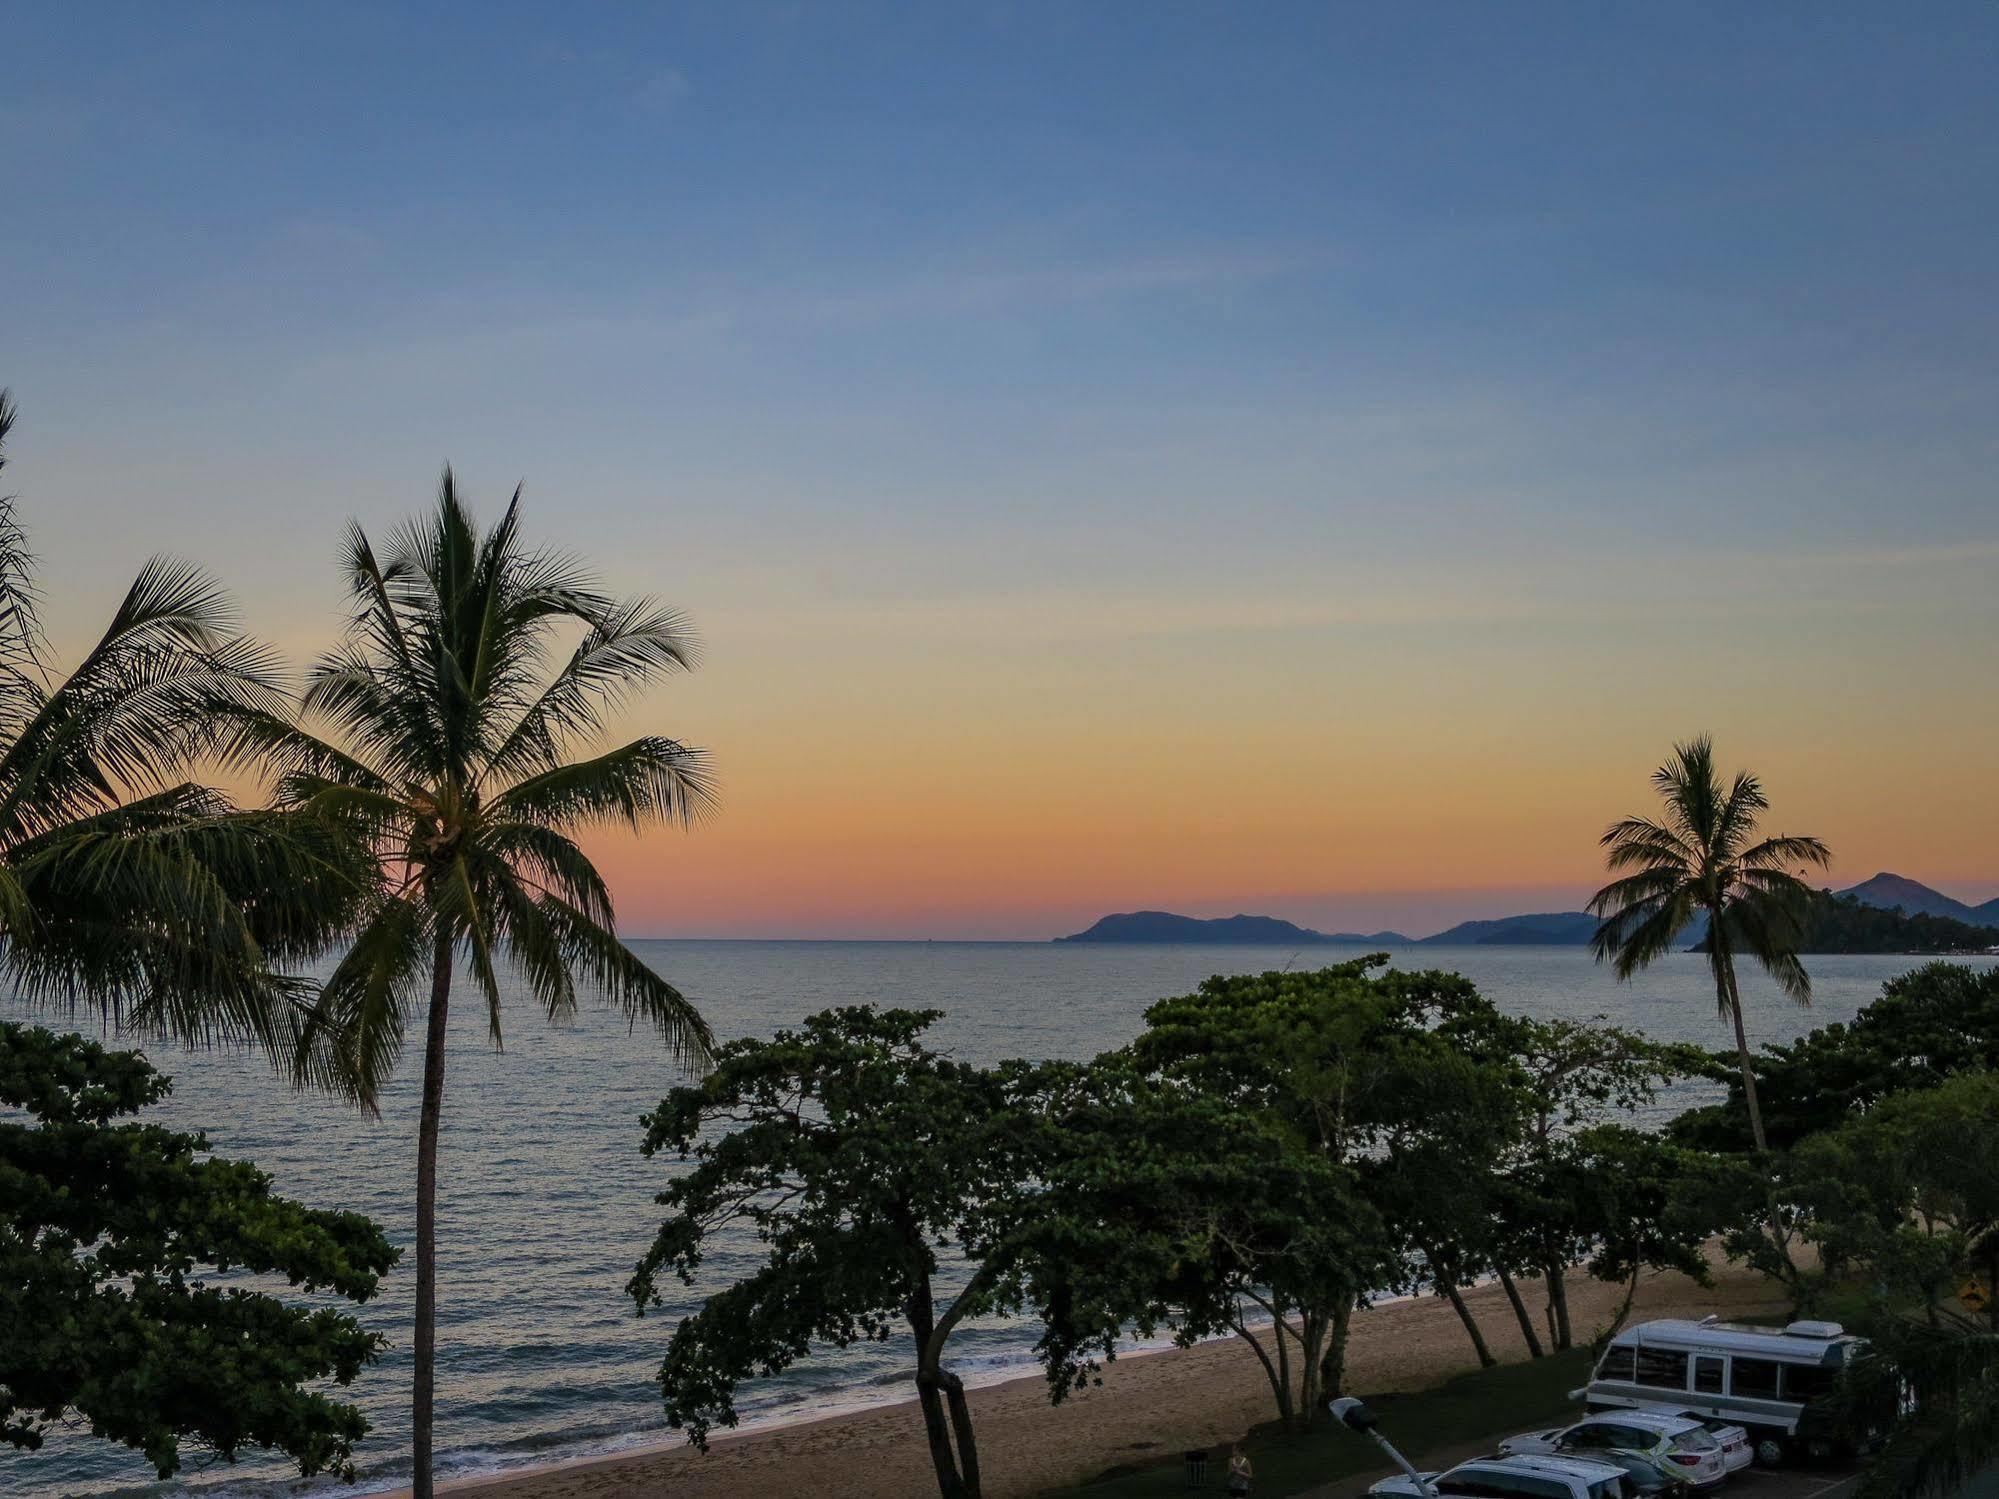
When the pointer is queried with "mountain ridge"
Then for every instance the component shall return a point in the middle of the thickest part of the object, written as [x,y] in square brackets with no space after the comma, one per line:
[1886,890]
[1913,898]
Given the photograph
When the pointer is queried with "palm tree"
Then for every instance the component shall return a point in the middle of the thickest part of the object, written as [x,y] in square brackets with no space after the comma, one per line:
[122,887]
[445,724]
[1705,858]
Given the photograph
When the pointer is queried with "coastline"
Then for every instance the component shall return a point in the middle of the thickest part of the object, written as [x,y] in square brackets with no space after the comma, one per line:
[1151,1405]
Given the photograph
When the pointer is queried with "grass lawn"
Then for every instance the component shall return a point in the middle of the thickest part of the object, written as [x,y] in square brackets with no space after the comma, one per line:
[1492,1402]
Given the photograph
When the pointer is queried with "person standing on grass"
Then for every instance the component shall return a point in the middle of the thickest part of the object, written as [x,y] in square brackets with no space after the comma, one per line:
[1240,1471]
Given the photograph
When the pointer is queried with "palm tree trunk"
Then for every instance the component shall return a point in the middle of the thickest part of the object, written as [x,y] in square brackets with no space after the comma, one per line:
[1731,1002]
[423,1397]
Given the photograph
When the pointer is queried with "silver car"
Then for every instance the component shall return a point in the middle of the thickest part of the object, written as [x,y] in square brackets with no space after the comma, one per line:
[1736,1449]
[1681,1441]
[1515,1478]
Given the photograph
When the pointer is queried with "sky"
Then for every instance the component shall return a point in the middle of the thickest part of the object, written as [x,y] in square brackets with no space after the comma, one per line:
[1307,460]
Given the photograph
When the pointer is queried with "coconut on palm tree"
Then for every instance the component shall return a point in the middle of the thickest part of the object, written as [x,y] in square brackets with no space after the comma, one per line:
[123,887]
[441,730]
[1705,858]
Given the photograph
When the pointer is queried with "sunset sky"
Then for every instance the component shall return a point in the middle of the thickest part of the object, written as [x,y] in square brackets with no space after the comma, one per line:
[1310,461]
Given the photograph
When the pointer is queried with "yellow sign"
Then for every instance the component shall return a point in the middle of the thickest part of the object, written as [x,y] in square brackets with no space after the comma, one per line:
[1974,1295]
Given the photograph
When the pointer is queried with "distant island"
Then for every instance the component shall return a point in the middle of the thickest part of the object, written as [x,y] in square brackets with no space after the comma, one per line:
[1564,928]
[1545,929]
[1889,913]
[1165,926]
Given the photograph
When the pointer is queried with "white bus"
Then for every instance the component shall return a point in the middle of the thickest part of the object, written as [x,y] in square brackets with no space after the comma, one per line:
[1761,1378]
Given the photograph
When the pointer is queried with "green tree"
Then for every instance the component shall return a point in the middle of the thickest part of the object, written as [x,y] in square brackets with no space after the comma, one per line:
[1573,1074]
[1437,1171]
[109,1233]
[121,887]
[1335,1063]
[1929,1397]
[440,732]
[1907,1192]
[1705,858]
[1927,1025]
[893,1187]
[1162,1205]
[1639,1200]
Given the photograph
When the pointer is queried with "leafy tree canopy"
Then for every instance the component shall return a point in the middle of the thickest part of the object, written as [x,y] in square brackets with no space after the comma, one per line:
[1930,1023]
[1160,1204]
[891,1184]
[108,1232]
[1339,1067]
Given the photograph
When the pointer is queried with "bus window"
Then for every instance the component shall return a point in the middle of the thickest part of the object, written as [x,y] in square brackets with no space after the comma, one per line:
[1754,1378]
[1708,1372]
[1804,1382]
[1664,1368]
[1618,1363]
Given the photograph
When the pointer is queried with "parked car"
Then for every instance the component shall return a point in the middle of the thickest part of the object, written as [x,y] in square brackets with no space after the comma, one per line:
[1767,1380]
[1737,1451]
[1647,1477]
[1516,1478]
[1680,1440]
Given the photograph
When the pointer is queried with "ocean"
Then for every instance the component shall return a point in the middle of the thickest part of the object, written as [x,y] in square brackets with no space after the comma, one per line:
[545,1203]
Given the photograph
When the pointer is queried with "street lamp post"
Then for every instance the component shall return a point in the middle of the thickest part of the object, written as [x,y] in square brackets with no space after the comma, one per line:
[1355,1416]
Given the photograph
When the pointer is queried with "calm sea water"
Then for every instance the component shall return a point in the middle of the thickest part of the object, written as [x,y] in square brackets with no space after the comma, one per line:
[545,1203]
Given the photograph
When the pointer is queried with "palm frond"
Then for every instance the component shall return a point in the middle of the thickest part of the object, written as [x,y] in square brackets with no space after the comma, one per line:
[648,780]
[1633,936]
[1692,791]
[628,646]
[1637,842]
[1645,889]
[621,977]
[23,676]
[251,739]
[352,1035]
[1785,852]
[1769,928]
[1735,817]
[149,698]
[552,863]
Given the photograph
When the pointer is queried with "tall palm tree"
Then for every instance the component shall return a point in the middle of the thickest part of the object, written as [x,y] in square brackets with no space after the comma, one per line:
[122,887]
[1705,858]
[440,730]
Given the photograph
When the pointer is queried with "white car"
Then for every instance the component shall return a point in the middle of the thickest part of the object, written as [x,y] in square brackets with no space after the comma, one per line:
[1681,1441]
[1515,1478]
[1737,1452]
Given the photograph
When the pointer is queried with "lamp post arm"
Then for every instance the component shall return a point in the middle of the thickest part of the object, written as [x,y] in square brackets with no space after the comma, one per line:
[1422,1486]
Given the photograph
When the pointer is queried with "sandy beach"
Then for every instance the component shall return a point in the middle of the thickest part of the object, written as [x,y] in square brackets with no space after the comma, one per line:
[1148,1405]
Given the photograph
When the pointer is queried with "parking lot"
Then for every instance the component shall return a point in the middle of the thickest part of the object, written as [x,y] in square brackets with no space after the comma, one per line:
[1793,1483]
[1750,1483]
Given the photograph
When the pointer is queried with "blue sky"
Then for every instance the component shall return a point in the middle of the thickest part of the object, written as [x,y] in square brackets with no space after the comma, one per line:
[1349,351]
